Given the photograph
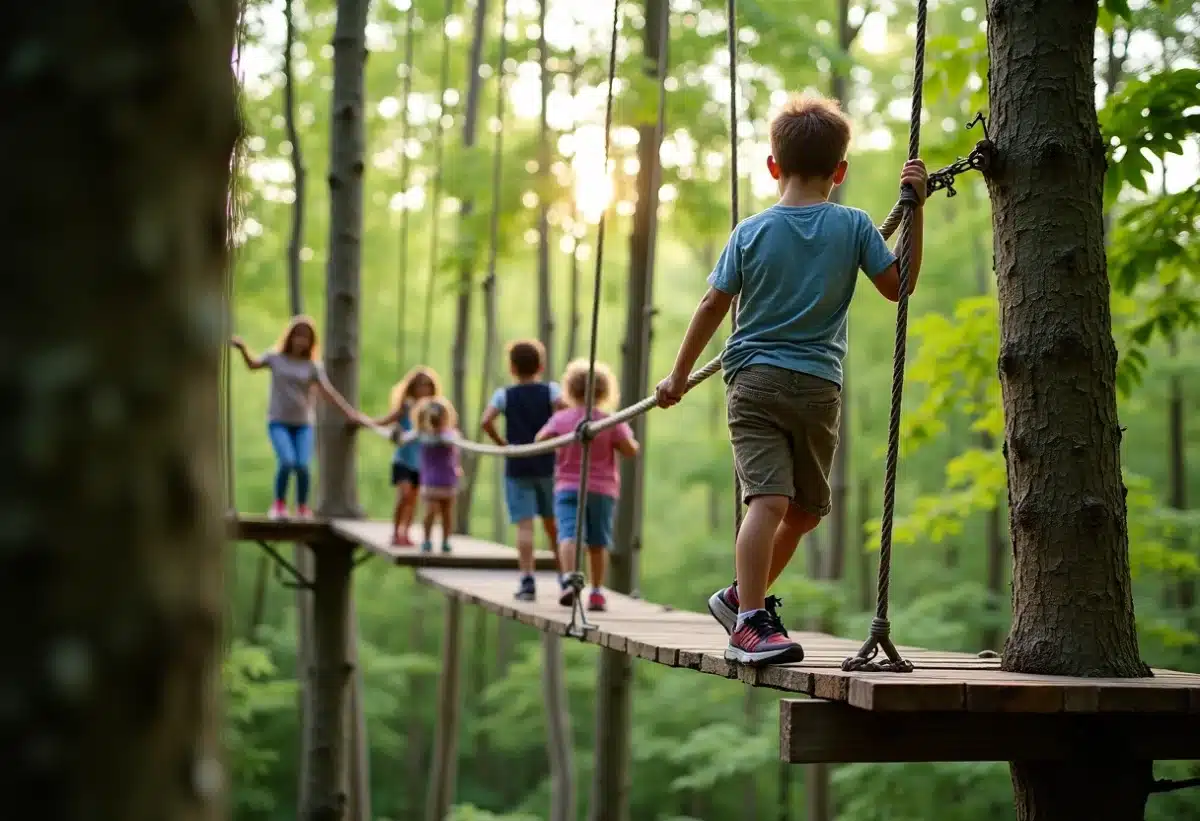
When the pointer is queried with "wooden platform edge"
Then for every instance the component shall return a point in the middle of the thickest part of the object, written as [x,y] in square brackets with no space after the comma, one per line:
[262,529]
[829,732]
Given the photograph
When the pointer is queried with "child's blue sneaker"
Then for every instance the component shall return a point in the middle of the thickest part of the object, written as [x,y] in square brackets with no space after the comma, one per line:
[426,546]
[446,546]
[527,591]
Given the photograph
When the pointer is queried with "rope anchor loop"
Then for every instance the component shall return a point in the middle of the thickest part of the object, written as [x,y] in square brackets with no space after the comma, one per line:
[980,159]
[879,638]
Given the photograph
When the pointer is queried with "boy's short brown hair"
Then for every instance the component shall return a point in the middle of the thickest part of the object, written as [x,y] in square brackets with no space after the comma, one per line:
[809,137]
[527,357]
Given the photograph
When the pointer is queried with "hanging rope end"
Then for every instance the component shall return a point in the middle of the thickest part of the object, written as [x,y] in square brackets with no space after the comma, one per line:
[879,639]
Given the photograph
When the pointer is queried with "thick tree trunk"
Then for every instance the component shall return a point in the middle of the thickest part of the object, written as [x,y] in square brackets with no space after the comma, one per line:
[111,571]
[337,489]
[462,317]
[610,785]
[1072,599]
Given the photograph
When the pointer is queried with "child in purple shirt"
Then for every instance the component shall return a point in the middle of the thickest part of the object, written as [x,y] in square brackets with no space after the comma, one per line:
[440,468]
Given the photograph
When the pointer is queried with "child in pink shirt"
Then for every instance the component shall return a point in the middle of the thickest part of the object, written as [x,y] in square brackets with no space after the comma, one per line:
[604,478]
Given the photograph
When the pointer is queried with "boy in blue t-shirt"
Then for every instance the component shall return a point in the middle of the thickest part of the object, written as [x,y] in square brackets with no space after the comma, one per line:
[526,405]
[793,269]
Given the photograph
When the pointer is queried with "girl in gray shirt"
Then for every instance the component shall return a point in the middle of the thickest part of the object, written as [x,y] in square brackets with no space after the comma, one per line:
[296,378]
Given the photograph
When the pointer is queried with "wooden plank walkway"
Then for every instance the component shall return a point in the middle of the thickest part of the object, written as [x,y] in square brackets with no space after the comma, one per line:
[942,682]
[376,536]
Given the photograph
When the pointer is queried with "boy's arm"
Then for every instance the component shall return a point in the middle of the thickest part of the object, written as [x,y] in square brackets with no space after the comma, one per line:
[887,282]
[488,423]
[709,315]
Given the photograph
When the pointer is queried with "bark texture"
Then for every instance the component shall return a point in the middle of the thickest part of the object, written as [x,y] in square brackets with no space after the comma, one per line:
[326,793]
[115,226]
[545,306]
[1072,600]
[444,767]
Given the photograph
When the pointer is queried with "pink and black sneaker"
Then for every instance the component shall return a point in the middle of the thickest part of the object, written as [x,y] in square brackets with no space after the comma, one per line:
[761,640]
[596,601]
[278,511]
[724,606]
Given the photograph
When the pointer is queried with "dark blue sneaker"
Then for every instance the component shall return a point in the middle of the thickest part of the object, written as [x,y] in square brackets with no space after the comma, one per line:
[527,591]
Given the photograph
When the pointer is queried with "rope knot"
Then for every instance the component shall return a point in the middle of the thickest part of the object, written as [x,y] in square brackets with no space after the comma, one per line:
[583,431]
[881,629]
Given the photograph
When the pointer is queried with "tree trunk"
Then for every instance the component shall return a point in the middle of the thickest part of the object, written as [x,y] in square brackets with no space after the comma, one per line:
[573,328]
[1072,599]
[258,600]
[445,747]
[1177,459]
[749,808]
[402,286]
[545,305]
[610,785]
[462,319]
[558,731]
[357,775]
[435,199]
[111,571]
[337,489]
[784,810]
[299,174]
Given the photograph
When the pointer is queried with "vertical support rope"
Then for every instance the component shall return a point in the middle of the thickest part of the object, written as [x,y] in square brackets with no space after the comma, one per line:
[579,622]
[734,210]
[880,633]
[435,201]
[402,268]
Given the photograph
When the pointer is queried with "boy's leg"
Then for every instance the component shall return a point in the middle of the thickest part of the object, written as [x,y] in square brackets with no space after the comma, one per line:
[525,546]
[398,537]
[518,497]
[795,524]
[446,506]
[544,493]
[753,552]
[565,511]
[599,526]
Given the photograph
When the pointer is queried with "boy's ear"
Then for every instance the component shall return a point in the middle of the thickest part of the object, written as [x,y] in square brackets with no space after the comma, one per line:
[773,166]
[839,173]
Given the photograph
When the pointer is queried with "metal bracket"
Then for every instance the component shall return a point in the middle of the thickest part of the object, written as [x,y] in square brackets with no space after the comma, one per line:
[980,159]
[579,625]
[298,581]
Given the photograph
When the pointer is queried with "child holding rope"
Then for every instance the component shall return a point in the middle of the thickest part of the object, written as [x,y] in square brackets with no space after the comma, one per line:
[526,406]
[793,269]
[419,383]
[604,479]
[296,376]
[439,465]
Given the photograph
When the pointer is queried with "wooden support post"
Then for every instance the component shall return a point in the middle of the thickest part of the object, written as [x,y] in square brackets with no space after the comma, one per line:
[305,668]
[331,610]
[445,745]
[812,731]
[558,731]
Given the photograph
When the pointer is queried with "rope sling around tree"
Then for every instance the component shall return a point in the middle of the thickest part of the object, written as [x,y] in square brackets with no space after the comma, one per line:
[900,216]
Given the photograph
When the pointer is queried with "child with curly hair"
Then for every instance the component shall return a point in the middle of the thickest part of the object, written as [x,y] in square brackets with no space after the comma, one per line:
[419,383]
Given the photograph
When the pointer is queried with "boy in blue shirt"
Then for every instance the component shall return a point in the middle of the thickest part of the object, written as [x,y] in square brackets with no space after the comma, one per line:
[527,406]
[793,269]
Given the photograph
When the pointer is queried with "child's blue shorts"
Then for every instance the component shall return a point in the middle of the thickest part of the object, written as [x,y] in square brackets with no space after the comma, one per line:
[597,519]
[529,498]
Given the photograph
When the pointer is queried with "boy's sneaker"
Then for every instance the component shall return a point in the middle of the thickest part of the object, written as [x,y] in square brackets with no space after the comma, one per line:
[304,512]
[277,512]
[724,607]
[596,601]
[427,547]
[527,591]
[761,639]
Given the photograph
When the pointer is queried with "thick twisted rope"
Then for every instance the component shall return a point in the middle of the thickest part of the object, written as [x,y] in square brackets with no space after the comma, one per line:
[880,633]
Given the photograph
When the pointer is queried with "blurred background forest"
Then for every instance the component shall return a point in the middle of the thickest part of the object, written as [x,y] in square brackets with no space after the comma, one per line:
[703,748]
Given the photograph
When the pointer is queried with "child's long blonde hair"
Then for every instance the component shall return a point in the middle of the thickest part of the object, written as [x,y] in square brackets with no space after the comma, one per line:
[434,414]
[284,344]
[574,383]
[402,390]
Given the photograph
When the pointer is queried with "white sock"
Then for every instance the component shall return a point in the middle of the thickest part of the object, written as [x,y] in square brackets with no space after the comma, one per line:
[743,616]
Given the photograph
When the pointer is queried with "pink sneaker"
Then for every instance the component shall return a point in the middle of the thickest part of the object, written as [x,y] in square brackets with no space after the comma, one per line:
[304,512]
[596,601]
[724,606]
[277,511]
[761,639]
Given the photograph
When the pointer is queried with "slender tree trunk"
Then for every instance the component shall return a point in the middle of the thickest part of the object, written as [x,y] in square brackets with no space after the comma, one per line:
[111,571]
[462,320]
[1072,598]
[784,810]
[545,304]
[610,785]
[558,731]
[573,328]
[402,286]
[716,406]
[258,601]
[337,490]
[443,771]
[435,199]
[299,174]
[1177,459]
[749,808]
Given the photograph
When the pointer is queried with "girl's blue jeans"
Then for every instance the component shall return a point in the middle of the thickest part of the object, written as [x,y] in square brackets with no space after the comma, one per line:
[293,451]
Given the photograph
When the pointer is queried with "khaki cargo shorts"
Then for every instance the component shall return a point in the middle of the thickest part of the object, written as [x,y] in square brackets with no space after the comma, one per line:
[784,427]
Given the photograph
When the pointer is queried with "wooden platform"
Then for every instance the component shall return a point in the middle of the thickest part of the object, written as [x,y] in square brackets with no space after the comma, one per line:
[953,688]
[376,537]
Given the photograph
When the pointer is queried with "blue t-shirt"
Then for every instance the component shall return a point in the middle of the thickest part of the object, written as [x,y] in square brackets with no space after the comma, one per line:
[794,269]
[408,454]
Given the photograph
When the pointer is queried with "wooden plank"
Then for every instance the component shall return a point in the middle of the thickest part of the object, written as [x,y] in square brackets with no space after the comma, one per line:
[812,731]
[943,682]
[262,529]
[466,551]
